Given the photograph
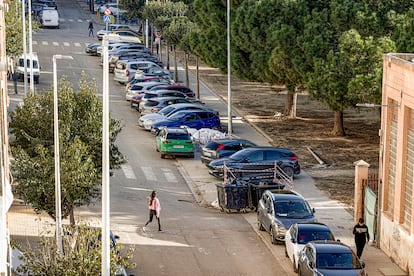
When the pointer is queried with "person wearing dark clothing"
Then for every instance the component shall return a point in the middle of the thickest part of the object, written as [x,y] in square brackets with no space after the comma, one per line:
[90,28]
[15,78]
[361,236]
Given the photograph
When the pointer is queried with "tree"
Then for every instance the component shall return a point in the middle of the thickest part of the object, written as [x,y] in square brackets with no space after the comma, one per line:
[82,255]
[80,142]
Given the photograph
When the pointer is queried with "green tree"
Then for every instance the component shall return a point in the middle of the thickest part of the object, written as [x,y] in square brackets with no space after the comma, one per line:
[82,254]
[80,142]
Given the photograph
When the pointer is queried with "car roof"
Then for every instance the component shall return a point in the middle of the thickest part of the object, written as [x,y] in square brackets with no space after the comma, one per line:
[327,246]
[146,83]
[164,99]
[284,195]
[177,130]
[311,226]
[267,148]
[193,111]
[176,85]
[230,140]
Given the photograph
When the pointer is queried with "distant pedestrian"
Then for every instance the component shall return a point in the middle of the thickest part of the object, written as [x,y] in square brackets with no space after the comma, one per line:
[154,210]
[361,236]
[90,28]
[15,78]
[157,41]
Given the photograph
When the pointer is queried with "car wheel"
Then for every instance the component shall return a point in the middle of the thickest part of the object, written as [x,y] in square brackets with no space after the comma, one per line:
[191,155]
[272,236]
[288,171]
[163,155]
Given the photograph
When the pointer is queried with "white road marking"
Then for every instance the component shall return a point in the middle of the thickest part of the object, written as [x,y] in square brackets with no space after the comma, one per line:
[128,171]
[34,42]
[169,175]
[55,43]
[66,44]
[80,20]
[149,173]
[77,44]
[45,43]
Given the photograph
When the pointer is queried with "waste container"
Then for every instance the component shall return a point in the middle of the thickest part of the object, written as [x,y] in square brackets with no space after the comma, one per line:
[257,188]
[232,197]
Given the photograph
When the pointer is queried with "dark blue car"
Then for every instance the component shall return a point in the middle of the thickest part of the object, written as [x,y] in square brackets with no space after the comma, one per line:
[191,118]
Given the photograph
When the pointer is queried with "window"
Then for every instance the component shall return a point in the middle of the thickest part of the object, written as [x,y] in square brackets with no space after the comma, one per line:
[407,188]
[256,156]
[272,155]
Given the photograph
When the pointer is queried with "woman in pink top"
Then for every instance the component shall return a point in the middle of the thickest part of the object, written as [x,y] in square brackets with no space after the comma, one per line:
[154,209]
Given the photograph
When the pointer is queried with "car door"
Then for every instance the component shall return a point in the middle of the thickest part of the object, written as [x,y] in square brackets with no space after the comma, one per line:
[192,120]
[308,262]
[268,213]
[252,162]
[289,244]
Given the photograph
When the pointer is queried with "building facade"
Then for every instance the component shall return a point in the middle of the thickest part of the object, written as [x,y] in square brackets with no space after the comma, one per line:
[396,206]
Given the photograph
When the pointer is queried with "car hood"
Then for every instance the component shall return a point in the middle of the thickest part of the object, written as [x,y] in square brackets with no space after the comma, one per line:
[152,116]
[219,162]
[287,222]
[336,272]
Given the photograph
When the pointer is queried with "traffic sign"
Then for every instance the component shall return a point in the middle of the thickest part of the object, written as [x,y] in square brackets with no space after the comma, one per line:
[107,11]
[107,18]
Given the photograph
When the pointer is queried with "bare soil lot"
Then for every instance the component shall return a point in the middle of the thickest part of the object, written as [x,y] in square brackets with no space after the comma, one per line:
[310,129]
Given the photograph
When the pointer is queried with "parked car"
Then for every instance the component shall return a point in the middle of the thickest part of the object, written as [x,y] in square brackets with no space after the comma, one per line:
[111,28]
[255,159]
[49,18]
[174,141]
[223,148]
[139,89]
[125,70]
[91,49]
[277,210]
[163,93]
[146,120]
[155,104]
[176,87]
[329,258]
[112,45]
[191,118]
[130,56]
[147,79]
[155,72]
[301,233]
[131,35]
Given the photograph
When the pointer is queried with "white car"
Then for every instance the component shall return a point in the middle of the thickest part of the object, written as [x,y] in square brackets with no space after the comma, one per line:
[111,28]
[140,88]
[301,233]
[125,70]
[113,7]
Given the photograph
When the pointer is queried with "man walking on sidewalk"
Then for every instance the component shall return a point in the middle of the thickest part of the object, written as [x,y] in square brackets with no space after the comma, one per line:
[361,236]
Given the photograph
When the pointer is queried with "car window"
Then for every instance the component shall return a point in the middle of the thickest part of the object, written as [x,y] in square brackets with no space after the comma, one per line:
[307,236]
[294,209]
[178,136]
[336,261]
[191,117]
[272,155]
[256,156]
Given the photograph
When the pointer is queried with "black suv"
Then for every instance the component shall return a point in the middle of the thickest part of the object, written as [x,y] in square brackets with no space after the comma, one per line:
[259,160]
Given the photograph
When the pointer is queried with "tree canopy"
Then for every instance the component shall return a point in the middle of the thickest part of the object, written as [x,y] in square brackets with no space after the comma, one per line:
[80,142]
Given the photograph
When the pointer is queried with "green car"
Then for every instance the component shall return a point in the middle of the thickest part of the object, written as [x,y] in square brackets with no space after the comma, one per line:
[174,141]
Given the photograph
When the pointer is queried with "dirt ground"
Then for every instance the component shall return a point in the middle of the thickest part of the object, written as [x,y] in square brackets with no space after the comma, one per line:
[311,128]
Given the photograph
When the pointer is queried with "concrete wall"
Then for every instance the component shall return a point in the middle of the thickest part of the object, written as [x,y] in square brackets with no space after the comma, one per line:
[396,240]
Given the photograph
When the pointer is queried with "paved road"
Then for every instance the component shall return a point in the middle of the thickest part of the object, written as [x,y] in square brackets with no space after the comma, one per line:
[196,240]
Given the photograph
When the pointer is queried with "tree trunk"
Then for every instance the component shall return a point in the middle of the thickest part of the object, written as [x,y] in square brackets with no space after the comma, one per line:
[338,129]
[72,217]
[197,79]
[168,56]
[187,79]
[288,105]
[175,65]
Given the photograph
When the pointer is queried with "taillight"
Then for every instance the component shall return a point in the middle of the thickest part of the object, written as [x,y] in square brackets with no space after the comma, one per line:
[220,147]
[293,158]
[127,73]
[166,142]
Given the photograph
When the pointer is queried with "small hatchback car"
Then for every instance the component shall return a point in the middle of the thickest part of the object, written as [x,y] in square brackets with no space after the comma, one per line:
[174,141]
[223,148]
[277,210]
[329,258]
[301,233]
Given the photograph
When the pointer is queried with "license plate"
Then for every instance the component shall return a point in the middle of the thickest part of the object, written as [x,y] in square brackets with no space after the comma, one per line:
[134,105]
[178,146]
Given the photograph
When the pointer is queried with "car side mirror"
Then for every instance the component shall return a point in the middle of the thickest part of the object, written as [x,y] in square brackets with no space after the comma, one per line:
[116,237]
[338,240]
[247,160]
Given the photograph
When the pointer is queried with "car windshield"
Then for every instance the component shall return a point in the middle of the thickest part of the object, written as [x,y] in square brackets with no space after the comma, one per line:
[337,261]
[307,236]
[176,116]
[178,136]
[292,209]
[166,110]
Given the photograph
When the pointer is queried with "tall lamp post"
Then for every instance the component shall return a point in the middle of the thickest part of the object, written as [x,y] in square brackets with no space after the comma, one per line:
[230,122]
[57,157]
[146,28]
[105,267]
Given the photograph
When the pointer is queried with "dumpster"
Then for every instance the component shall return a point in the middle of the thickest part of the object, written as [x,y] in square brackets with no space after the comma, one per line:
[257,188]
[232,197]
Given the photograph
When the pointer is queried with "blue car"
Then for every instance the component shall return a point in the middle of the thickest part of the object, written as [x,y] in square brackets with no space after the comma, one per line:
[191,118]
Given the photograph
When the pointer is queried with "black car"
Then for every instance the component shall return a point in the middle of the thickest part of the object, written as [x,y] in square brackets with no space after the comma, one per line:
[257,161]
[223,148]
[329,258]
[92,48]
[182,88]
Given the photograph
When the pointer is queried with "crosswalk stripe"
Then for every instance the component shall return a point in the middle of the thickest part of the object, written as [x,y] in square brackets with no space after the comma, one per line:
[128,171]
[149,173]
[34,42]
[55,43]
[66,44]
[45,43]
[80,20]
[77,44]
[169,175]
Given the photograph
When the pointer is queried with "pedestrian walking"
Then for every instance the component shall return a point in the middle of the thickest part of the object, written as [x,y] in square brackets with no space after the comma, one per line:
[15,78]
[361,236]
[157,41]
[90,28]
[154,210]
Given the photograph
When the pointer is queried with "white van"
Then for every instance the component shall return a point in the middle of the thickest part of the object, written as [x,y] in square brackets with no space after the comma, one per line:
[36,67]
[49,18]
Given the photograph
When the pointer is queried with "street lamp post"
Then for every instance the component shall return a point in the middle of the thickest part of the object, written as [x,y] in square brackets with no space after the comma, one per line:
[146,28]
[105,267]
[230,122]
[57,157]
